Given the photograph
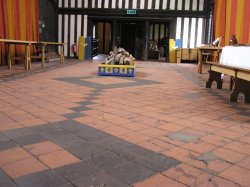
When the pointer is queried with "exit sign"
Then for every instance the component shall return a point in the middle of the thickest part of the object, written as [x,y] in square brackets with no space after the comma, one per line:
[131,11]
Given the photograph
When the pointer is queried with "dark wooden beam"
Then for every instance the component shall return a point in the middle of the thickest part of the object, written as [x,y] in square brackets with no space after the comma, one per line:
[140,12]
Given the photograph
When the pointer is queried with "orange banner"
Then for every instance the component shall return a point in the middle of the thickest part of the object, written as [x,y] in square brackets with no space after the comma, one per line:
[232,17]
[18,21]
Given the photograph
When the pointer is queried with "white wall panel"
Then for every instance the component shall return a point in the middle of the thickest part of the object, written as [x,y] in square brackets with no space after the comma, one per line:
[164,4]
[172,4]
[193,34]
[201,5]
[142,5]
[187,4]
[93,3]
[178,28]
[134,5]
[126,3]
[79,4]
[149,4]
[179,6]
[72,4]
[79,25]
[99,4]
[120,4]
[60,3]
[106,3]
[66,3]
[65,34]
[85,25]
[85,3]
[113,3]
[59,28]
[185,32]
[157,4]
[194,6]
[199,32]
[72,32]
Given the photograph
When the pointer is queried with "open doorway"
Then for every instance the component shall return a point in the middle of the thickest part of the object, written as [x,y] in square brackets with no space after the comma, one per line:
[130,35]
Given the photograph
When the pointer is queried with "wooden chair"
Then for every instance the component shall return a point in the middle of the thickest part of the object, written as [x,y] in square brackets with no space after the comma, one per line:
[212,56]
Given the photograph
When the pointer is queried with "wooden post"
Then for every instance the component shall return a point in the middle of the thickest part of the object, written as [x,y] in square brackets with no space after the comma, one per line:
[9,57]
[146,40]
[199,61]
[62,55]
[43,54]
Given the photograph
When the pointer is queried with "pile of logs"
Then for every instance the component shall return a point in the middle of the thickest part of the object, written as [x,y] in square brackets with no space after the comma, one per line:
[120,57]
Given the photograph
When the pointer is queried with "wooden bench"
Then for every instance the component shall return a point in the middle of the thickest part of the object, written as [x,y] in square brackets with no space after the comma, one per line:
[240,80]
[27,55]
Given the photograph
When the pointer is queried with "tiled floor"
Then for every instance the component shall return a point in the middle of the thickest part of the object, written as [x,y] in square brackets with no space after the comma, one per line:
[64,126]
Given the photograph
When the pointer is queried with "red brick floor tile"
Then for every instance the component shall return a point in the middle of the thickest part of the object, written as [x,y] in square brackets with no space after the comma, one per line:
[188,175]
[159,181]
[42,148]
[228,134]
[245,139]
[12,155]
[116,130]
[9,126]
[33,122]
[134,137]
[58,158]
[181,154]
[239,147]
[171,127]
[245,163]
[135,126]
[216,140]
[229,155]
[205,128]
[154,132]
[218,182]
[23,167]
[219,124]
[238,175]
[199,147]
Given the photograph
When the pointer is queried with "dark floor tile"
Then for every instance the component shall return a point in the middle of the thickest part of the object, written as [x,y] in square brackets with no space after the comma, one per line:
[100,179]
[3,138]
[86,103]
[16,133]
[86,151]
[29,139]
[76,171]
[157,162]
[80,108]
[46,178]
[7,145]
[108,161]
[131,173]
[5,181]
[73,115]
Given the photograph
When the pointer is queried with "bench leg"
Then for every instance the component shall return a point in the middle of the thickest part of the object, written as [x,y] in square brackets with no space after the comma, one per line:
[214,76]
[240,86]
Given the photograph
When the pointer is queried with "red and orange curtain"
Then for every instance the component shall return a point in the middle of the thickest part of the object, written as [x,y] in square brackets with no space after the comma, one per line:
[19,21]
[232,17]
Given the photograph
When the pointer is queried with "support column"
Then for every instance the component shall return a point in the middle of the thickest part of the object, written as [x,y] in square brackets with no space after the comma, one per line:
[114,34]
[146,41]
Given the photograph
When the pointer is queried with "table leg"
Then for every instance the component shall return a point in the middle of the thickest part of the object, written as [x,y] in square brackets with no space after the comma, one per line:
[199,62]
[62,54]
[27,57]
[9,57]
[43,55]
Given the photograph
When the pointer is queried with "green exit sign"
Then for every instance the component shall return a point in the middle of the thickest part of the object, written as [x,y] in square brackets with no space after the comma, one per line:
[131,11]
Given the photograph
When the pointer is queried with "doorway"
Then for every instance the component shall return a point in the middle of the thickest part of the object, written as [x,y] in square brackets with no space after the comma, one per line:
[131,38]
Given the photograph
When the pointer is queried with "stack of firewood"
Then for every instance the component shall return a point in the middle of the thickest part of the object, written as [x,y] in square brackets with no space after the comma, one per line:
[120,57]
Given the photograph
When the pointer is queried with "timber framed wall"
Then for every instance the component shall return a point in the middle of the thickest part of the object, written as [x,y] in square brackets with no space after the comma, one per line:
[190,18]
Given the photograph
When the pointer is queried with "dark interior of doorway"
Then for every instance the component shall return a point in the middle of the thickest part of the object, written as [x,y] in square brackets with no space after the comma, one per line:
[131,38]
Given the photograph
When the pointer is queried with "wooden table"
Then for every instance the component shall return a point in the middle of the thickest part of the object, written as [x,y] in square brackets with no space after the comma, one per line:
[27,44]
[44,44]
[241,79]
[207,49]
[27,56]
